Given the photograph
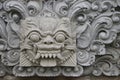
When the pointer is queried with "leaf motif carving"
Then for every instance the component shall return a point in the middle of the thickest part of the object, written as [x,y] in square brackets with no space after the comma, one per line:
[13,34]
[15,5]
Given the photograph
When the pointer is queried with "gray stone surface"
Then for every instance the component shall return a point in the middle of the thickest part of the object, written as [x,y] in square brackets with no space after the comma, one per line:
[47,42]
[63,78]
[87,38]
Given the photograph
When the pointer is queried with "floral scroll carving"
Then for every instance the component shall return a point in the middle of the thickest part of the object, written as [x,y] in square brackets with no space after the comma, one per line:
[78,37]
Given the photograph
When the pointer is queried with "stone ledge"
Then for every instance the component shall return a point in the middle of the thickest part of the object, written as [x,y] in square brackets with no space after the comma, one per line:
[62,78]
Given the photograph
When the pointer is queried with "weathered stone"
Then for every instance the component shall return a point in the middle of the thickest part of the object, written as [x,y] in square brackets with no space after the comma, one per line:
[47,42]
[49,38]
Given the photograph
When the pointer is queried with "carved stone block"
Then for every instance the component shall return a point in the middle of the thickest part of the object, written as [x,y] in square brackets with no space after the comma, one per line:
[47,42]
[49,38]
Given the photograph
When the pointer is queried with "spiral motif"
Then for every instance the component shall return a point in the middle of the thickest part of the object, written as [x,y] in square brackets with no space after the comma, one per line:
[73,71]
[97,72]
[47,71]
[33,8]
[13,57]
[23,71]
[61,9]
[82,57]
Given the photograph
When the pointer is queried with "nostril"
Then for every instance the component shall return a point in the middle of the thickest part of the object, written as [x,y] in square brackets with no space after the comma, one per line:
[48,42]
[51,42]
[45,42]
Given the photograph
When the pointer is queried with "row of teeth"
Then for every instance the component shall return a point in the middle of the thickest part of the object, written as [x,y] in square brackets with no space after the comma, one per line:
[48,55]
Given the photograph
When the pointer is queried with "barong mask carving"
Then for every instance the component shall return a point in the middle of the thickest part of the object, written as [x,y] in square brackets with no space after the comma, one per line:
[47,42]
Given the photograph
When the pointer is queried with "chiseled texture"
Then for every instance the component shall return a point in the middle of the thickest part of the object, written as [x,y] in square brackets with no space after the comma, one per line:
[47,42]
[52,38]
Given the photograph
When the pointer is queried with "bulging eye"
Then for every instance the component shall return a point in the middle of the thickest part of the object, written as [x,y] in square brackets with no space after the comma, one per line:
[34,36]
[60,37]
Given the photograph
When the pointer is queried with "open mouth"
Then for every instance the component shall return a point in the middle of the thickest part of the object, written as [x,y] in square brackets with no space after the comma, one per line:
[51,55]
[48,54]
[48,58]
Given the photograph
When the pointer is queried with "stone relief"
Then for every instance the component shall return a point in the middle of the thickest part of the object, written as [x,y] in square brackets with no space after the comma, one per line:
[49,38]
[47,42]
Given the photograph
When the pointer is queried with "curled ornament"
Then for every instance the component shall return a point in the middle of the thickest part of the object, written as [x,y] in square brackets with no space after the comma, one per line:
[17,6]
[103,5]
[79,6]
[34,7]
[73,71]
[23,71]
[61,8]
[84,58]
[48,71]
[101,30]
[11,57]
[104,65]
[98,48]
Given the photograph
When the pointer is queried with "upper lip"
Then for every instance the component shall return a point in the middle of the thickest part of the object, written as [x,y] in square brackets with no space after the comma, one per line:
[48,47]
[48,52]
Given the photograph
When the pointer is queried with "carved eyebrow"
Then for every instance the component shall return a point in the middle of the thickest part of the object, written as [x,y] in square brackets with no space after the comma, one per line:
[32,32]
[31,24]
[62,32]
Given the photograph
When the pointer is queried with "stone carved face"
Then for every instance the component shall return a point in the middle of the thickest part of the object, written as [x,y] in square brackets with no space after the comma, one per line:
[47,42]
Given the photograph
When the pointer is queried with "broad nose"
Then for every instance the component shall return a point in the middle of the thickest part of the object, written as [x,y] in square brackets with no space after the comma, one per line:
[48,40]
